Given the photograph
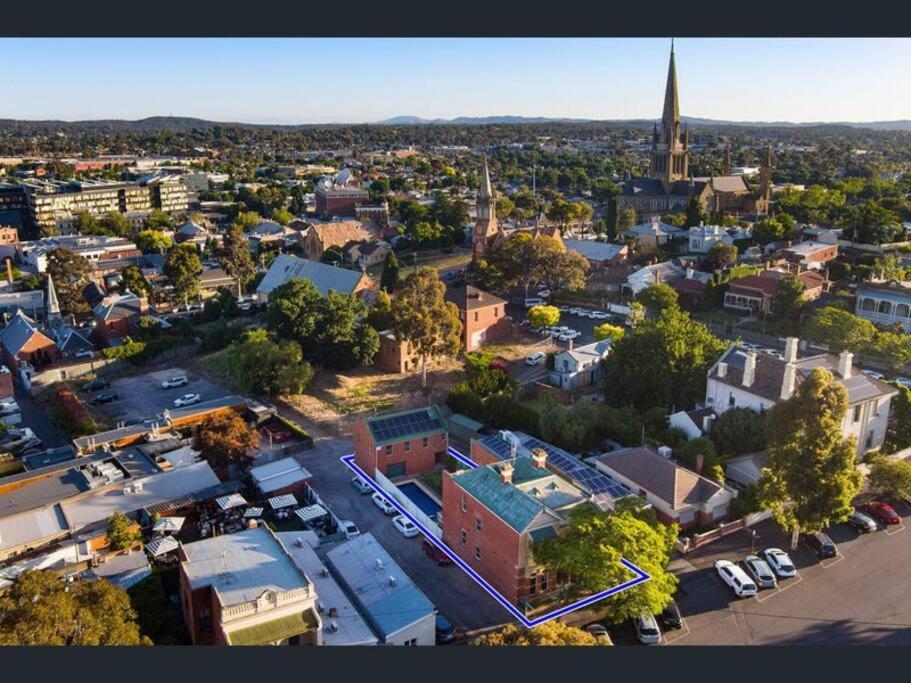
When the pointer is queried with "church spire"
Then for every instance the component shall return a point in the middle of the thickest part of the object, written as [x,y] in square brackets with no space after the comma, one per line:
[485,191]
[671,114]
[485,214]
[53,305]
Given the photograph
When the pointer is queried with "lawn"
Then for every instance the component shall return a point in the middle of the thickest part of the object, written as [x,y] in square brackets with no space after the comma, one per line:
[433,260]
[718,317]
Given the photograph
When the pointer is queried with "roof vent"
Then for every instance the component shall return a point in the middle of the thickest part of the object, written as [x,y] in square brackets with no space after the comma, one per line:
[378,563]
[392,581]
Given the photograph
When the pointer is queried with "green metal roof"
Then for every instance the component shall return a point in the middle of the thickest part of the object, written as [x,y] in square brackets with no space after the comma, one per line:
[408,424]
[275,630]
[512,505]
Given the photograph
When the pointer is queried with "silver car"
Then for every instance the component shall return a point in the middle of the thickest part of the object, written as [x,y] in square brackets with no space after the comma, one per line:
[760,572]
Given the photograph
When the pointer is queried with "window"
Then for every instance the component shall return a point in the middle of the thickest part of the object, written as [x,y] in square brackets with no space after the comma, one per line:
[389,450]
[544,582]
[464,503]
[462,536]
[476,316]
[477,552]
[496,311]
[533,585]
[857,413]
[425,441]
[411,643]
[731,400]
[477,524]
[408,447]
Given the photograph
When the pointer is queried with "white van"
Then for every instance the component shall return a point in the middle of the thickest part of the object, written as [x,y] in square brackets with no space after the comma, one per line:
[534,301]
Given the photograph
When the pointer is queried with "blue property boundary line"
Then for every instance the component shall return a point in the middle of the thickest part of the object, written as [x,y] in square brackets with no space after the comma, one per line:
[640,576]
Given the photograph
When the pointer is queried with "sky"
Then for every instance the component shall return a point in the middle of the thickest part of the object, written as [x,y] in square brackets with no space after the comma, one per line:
[328,80]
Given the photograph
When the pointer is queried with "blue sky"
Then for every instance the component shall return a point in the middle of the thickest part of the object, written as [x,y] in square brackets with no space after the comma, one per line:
[310,80]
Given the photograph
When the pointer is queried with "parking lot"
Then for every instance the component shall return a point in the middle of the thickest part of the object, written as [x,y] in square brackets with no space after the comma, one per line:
[586,326]
[456,596]
[859,597]
[141,397]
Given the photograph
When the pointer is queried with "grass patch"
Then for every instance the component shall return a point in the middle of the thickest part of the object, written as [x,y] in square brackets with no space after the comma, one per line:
[11,467]
[434,480]
[718,317]
[294,428]
[359,399]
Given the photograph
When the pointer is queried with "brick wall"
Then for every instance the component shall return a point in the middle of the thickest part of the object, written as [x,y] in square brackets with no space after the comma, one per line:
[416,456]
[491,319]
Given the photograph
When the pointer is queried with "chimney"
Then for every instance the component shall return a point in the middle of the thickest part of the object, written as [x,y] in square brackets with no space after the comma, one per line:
[844,364]
[689,273]
[749,369]
[539,458]
[790,350]
[707,423]
[700,460]
[570,347]
[506,473]
[722,370]
[788,381]
[9,271]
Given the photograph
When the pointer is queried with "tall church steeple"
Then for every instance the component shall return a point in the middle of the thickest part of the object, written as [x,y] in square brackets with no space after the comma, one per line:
[485,224]
[52,305]
[670,157]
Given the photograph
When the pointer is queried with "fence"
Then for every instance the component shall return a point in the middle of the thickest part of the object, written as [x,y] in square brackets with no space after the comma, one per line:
[59,372]
[407,504]
[698,540]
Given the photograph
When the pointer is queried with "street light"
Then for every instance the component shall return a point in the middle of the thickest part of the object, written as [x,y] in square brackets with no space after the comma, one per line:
[752,541]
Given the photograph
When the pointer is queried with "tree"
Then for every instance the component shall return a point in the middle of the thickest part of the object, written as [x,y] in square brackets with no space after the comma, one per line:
[695,215]
[658,297]
[811,477]
[294,309]
[380,315]
[153,240]
[122,531]
[626,218]
[589,549]
[543,316]
[737,431]
[389,279]
[548,633]
[612,220]
[158,219]
[890,267]
[183,268]
[840,330]
[70,273]
[662,362]
[333,255]
[259,364]
[608,331]
[721,255]
[423,318]
[562,269]
[132,280]
[85,224]
[115,223]
[344,338]
[235,257]
[282,216]
[40,609]
[224,438]
[788,301]
[898,431]
[770,230]
[890,477]
[690,453]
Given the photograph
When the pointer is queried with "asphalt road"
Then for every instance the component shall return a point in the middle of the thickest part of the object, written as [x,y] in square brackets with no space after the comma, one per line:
[858,598]
[456,596]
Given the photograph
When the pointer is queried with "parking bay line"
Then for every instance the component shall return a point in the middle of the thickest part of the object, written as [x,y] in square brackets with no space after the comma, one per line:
[825,564]
[900,527]
[762,597]
[683,633]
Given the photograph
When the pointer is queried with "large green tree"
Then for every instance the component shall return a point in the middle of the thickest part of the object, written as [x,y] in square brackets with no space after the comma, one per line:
[788,302]
[549,633]
[234,256]
[133,280]
[811,477]
[890,477]
[122,531]
[70,273]
[658,297]
[737,431]
[662,361]
[344,338]
[389,279]
[153,240]
[589,549]
[258,363]
[294,310]
[224,438]
[183,269]
[840,330]
[422,317]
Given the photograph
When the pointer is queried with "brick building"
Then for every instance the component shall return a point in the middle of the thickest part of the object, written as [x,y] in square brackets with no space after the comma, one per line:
[401,444]
[811,254]
[22,341]
[322,236]
[117,316]
[394,355]
[753,294]
[483,316]
[334,200]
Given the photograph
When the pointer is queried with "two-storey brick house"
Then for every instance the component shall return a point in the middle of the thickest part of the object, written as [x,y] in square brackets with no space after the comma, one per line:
[401,444]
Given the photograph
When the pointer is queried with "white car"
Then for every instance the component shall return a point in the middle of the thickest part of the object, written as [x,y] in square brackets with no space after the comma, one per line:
[874,374]
[186,400]
[567,336]
[780,563]
[405,526]
[544,293]
[904,381]
[575,310]
[383,504]
[535,358]
[533,301]
[177,381]
[647,630]
[736,578]
[564,309]
[360,485]
[349,528]
[600,315]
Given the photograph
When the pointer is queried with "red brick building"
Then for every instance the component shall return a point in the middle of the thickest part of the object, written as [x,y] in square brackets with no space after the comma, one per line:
[117,316]
[401,444]
[753,294]
[22,341]
[494,513]
[483,316]
[394,355]
[339,201]
[811,254]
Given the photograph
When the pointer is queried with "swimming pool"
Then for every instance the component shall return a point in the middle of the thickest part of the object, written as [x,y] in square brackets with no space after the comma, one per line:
[417,496]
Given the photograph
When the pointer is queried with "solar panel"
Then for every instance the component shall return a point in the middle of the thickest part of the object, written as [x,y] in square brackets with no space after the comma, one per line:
[400,426]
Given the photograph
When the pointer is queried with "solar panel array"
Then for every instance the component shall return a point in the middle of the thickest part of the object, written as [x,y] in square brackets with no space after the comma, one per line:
[401,426]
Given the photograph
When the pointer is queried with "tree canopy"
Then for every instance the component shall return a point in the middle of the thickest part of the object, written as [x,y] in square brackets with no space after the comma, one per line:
[70,273]
[183,269]
[260,364]
[548,633]
[658,297]
[234,256]
[122,531]
[224,438]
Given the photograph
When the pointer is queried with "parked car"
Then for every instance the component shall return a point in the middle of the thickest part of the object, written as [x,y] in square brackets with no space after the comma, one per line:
[26,445]
[9,408]
[535,358]
[380,501]
[904,381]
[670,617]
[361,486]
[779,562]
[821,545]
[276,434]
[405,526]
[759,571]
[874,374]
[349,528]
[435,554]
[105,397]
[186,400]
[599,633]
[83,355]
[884,513]
[736,579]
[647,630]
[446,632]
[534,301]
[176,381]
[544,293]
[863,523]
[96,384]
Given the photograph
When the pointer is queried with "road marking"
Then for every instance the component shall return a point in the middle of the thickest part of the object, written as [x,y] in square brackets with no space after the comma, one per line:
[900,527]
[679,634]
[825,564]
[765,595]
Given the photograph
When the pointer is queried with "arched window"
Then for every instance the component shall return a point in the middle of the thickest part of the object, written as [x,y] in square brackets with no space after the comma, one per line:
[868,305]
[902,310]
[885,307]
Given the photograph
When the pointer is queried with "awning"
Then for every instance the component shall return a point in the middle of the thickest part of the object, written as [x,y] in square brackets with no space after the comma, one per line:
[232,501]
[160,546]
[249,513]
[168,524]
[274,631]
[311,512]
[286,501]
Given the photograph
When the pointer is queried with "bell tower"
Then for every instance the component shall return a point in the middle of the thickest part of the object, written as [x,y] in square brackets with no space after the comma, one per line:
[485,224]
[670,154]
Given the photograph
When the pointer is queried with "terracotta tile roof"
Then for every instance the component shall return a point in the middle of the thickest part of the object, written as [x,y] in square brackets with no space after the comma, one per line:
[339,233]
[766,285]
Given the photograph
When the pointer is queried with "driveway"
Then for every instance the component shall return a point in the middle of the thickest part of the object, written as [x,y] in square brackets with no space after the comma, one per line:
[860,597]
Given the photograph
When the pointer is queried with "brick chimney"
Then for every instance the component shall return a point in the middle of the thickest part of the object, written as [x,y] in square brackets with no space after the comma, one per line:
[9,271]
[570,347]
[790,350]
[788,381]
[539,458]
[506,473]
[749,369]
[845,359]
[700,461]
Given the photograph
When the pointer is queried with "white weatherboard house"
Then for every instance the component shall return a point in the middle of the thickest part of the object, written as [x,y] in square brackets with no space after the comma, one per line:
[577,368]
[746,379]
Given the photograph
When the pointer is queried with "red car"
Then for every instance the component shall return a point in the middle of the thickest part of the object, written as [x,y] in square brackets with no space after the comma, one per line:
[882,512]
[278,435]
[435,554]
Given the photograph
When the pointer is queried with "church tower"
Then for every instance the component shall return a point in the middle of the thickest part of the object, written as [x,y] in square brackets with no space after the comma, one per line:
[52,305]
[726,165]
[485,225]
[670,156]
